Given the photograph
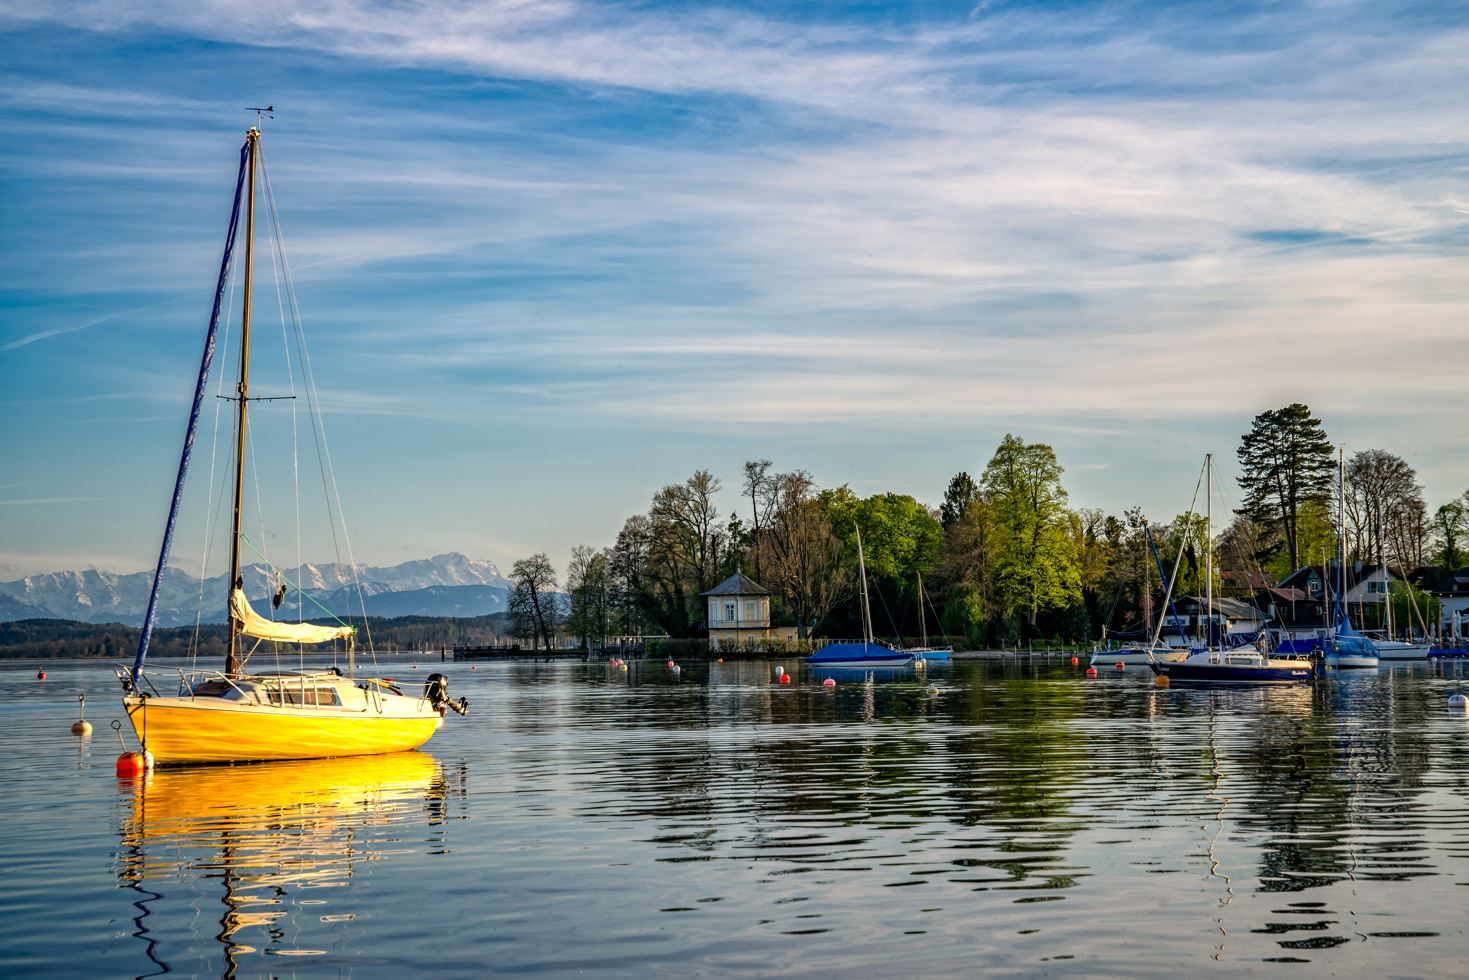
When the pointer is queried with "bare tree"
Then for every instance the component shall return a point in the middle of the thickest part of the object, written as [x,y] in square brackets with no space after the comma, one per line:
[533,600]
[628,562]
[803,557]
[589,588]
[686,546]
[760,488]
[1383,504]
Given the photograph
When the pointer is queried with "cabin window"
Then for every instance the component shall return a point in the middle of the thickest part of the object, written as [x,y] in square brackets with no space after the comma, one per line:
[749,609]
[729,611]
[211,689]
[299,695]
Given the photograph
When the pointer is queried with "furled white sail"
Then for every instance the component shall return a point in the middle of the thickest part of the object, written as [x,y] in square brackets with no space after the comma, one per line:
[251,623]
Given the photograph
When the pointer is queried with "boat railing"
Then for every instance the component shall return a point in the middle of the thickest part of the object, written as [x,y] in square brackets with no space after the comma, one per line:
[189,679]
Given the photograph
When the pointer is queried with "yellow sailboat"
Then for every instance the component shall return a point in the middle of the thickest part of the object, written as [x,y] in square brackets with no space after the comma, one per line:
[233,715]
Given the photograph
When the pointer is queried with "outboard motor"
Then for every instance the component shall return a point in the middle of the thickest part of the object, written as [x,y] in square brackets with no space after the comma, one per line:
[436,690]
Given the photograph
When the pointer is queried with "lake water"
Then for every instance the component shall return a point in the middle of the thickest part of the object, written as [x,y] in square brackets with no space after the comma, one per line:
[1006,820]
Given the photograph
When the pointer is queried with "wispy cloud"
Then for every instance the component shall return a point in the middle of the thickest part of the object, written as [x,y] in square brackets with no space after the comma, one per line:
[697,220]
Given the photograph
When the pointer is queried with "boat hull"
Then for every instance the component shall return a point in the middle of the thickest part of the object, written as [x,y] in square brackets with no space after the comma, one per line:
[1398,650]
[183,729]
[931,654]
[1194,673]
[859,655]
[1134,657]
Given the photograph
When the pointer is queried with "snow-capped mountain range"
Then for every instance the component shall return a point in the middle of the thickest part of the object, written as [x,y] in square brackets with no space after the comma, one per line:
[445,585]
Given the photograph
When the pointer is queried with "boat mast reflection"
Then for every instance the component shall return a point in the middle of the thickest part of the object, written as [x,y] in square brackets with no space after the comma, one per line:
[275,835]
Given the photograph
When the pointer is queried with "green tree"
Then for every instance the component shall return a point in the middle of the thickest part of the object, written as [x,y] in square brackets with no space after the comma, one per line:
[1450,529]
[1413,610]
[1287,463]
[1036,560]
[964,616]
[962,493]
[900,537]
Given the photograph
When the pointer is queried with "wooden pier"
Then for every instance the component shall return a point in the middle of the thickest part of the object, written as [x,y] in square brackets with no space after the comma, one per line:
[517,653]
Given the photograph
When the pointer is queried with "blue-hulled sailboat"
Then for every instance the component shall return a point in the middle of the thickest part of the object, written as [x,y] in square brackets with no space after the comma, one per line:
[868,653]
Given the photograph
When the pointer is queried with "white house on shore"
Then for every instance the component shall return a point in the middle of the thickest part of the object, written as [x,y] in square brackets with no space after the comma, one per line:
[738,612]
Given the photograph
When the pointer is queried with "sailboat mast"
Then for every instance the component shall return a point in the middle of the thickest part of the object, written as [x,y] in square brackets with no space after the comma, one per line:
[922,613]
[1341,534]
[866,609]
[242,390]
[1209,548]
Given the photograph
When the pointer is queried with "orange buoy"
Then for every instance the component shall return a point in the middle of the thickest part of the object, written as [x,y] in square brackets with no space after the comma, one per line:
[1091,672]
[40,675]
[829,682]
[1074,661]
[130,764]
[1163,680]
[785,678]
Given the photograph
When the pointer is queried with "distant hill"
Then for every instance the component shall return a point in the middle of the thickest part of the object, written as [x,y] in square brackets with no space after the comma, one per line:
[49,638]
[445,585]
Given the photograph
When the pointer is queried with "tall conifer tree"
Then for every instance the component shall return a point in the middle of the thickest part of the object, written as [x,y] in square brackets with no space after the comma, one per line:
[1288,463]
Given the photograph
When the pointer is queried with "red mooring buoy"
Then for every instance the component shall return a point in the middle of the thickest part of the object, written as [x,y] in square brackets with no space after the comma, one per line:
[785,678]
[40,675]
[1091,672]
[1074,661]
[130,764]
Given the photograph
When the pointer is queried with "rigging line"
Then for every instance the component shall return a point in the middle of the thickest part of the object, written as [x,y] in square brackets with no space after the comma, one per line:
[273,232]
[277,268]
[210,524]
[299,591]
[324,461]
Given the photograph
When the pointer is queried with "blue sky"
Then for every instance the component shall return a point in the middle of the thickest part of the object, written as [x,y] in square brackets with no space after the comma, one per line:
[552,256]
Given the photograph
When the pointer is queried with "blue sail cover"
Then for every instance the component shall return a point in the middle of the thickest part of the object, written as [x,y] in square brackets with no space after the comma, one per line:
[859,654]
[204,365]
[1347,641]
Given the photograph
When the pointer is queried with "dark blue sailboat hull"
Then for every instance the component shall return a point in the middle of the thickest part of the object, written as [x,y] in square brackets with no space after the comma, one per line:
[1231,674]
[859,655]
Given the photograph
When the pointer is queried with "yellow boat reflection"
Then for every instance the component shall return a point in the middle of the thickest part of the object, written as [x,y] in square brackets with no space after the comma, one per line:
[272,833]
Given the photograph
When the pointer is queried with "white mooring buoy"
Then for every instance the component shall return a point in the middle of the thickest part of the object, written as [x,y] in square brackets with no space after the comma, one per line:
[82,726]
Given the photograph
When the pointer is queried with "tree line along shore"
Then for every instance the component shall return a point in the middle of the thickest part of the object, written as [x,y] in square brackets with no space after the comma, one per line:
[1004,559]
